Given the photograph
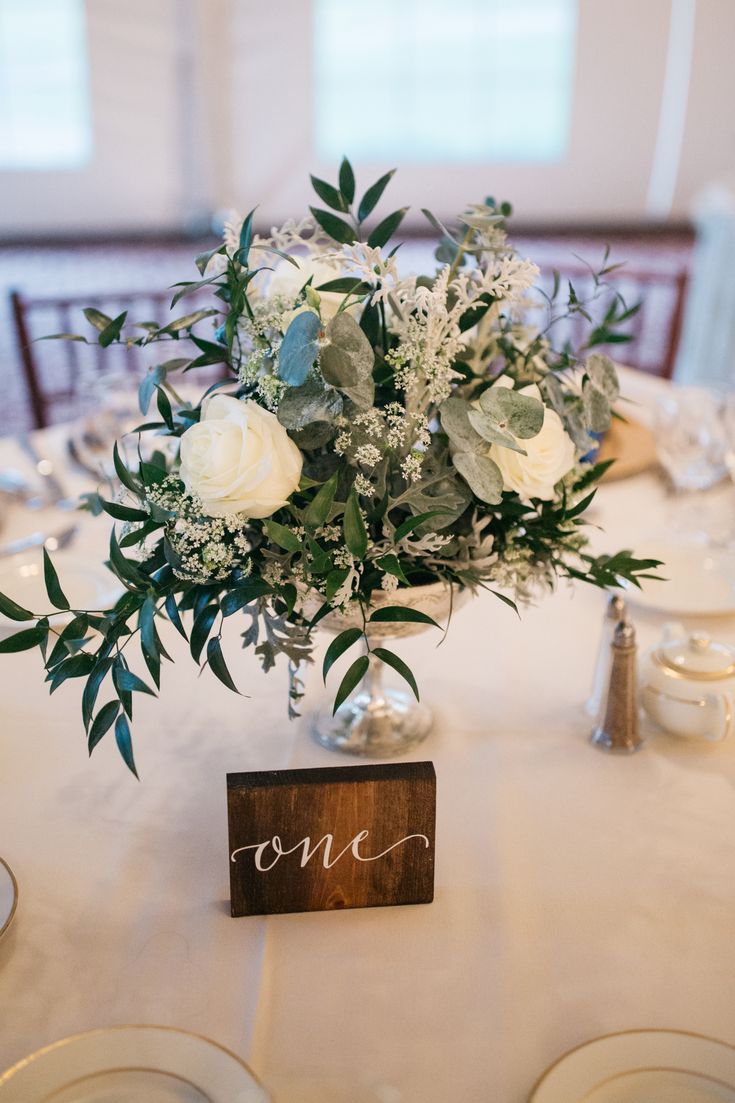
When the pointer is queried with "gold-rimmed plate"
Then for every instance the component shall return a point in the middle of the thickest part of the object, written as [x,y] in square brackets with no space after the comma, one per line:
[8,896]
[667,1066]
[127,1064]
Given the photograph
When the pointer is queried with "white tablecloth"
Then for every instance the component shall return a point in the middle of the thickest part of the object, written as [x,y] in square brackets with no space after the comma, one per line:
[576,894]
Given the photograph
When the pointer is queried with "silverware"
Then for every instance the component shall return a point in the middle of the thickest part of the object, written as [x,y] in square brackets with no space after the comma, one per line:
[54,493]
[51,541]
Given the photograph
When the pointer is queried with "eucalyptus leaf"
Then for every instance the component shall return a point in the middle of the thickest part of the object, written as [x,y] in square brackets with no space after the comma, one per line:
[481,474]
[23,641]
[312,401]
[521,414]
[11,609]
[112,331]
[390,614]
[96,318]
[601,371]
[299,348]
[329,194]
[596,408]
[347,360]
[454,414]
[488,429]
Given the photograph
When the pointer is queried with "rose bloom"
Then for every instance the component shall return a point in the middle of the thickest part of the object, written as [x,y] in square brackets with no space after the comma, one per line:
[239,459]
[551,454]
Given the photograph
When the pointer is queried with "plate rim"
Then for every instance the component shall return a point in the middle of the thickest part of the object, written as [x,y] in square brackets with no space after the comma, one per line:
[618,1034]
[14,907]
[7,1075]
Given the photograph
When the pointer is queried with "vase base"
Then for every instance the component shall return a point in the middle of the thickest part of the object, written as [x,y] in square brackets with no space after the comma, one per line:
[382,728]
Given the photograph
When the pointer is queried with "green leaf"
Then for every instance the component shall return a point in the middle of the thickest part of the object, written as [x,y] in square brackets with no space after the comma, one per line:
[201,629]
[520,414]
[299,348]
[123,568]
[15,612]
[188,320]
[317,511]
[353,677]
[96,318]
[123,474]
[204,258]
[172,612]
[148,384]
[125,743]
[399,666]
[124,513]
[92,688]
[127,682]
[406,527]
[56,595]
[346,285]
[482,475]
[384,231]
[347,181]
[111,332]
[353,526]
[247,592]
[23,641]
[372,196]
[282,536]
[246,238]
[334,581]
[391,565]
[164,407]
[393,613]
[336,227]
[103,721]
[328,194]
[218,665]
[338,646]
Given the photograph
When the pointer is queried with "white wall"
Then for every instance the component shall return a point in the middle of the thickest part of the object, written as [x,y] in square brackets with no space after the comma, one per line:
[205,104]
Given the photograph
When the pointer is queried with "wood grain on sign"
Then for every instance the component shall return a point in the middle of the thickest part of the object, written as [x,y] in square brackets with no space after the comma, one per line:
[322,839]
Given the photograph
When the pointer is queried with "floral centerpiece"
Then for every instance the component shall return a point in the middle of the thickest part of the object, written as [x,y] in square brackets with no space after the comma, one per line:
[371,432]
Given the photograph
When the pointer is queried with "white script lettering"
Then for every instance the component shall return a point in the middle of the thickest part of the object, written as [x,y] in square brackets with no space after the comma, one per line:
[309,851]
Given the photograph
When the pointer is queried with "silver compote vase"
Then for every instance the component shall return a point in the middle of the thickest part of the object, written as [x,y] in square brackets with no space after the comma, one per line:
[379,722]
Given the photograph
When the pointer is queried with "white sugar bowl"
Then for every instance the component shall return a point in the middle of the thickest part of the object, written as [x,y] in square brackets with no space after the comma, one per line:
[688,684]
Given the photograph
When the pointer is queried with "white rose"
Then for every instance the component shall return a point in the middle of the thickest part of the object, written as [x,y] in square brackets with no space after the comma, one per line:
[287,280]
[550,454]
[239,459]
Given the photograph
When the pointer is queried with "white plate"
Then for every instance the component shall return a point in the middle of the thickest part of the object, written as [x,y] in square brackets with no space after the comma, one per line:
[642,1066]
[129,1064]
[700,581]
[87,585]
[8,896]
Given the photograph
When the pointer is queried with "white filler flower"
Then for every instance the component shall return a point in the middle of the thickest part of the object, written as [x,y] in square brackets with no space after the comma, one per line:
[239,459]
[550,454]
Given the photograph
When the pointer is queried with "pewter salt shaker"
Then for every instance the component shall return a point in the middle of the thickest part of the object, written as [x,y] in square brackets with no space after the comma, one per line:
[619,730]
[614,613]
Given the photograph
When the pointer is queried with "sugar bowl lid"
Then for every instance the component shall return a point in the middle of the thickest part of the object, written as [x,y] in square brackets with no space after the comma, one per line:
[697,656]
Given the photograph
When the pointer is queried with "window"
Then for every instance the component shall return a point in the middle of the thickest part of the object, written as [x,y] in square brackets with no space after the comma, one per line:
[452,81]
[45,121]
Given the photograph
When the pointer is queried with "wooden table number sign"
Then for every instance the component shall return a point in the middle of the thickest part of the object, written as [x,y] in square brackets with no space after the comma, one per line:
[344,837]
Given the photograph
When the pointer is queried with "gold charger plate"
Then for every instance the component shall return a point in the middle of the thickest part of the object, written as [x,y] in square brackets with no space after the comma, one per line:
[631,445]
